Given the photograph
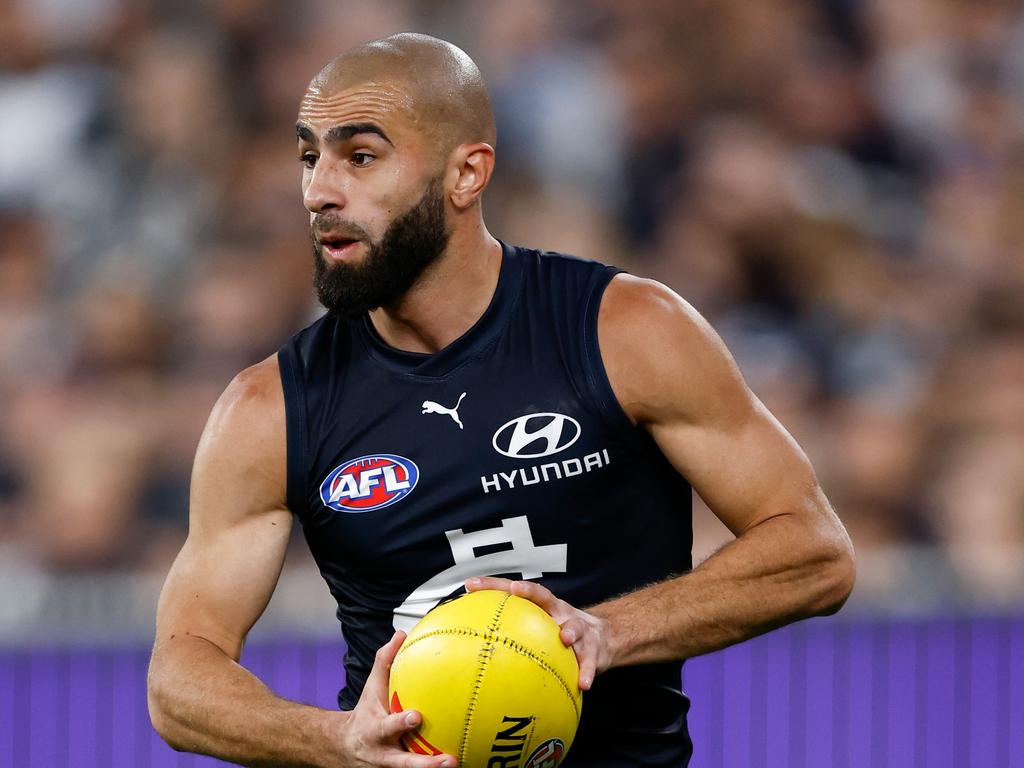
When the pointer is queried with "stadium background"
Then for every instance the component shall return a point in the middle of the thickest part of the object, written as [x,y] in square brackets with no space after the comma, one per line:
[838,185]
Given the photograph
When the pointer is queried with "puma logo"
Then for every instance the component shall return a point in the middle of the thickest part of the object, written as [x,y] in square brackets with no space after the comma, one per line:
[429,406]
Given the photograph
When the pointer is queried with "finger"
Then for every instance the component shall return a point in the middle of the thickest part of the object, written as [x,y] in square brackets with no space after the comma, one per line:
[572,631]
[488,582]
[393,726]
[559,609]
[574,635]
[376,688]
[404,759]
[588,668]
[409,760]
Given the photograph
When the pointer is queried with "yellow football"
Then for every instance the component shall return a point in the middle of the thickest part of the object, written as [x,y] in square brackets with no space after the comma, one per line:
[494,683]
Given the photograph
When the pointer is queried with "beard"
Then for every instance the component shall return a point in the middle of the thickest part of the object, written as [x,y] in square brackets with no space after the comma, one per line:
[412,242]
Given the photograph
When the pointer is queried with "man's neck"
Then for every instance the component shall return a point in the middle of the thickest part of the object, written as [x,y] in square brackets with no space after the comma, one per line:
[447,299]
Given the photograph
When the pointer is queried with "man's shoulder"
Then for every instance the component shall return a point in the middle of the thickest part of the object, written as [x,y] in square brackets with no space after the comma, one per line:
[633,305]
[251,406]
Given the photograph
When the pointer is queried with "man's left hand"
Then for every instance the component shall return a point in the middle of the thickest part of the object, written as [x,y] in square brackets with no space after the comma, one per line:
[588,635]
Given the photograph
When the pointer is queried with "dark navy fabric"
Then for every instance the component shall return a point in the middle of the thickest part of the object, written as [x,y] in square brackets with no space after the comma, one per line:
[538,473]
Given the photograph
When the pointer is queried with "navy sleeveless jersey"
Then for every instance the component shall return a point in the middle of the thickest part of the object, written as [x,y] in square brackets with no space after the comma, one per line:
[506,453]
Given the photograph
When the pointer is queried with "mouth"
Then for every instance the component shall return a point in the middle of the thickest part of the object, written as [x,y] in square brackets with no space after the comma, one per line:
[338,248]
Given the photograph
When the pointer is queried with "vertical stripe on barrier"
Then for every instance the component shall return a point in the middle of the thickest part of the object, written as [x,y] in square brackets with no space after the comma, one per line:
[710,690]
[128,702]
[59,735]
[1001,691]
[283,670]
[963,687]
[820,653]
[1004,627]
[882,640]
[840,696]
[757,743]
[719,720]
[735,712]
[330,675]
[8,706]
[23,706]
[983,707]
[81,709]
[1014,715]
[942,711]
[922,700]
[104,706]
[798,696]
[307,671]
[777,696]
[45,710]
[900,708]
[144,733]
[859,690]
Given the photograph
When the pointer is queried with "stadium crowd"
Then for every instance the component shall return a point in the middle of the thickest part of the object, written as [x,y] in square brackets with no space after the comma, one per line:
[838,185]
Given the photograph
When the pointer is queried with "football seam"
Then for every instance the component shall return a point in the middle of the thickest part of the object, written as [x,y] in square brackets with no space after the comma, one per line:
[486,651]
[508,642]
[524,651]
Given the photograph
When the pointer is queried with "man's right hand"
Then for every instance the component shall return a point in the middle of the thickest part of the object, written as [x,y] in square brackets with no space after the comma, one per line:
[372,734]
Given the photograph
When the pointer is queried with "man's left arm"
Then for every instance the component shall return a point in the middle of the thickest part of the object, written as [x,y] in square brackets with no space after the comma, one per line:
[791,558]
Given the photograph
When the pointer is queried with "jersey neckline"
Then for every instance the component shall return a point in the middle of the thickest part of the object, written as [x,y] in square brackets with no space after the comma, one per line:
[485,330]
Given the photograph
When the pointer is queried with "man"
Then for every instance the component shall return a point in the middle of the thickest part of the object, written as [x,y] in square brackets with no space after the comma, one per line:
[466,411]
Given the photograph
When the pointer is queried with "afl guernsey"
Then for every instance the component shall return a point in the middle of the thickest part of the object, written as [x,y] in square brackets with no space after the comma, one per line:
[505,454]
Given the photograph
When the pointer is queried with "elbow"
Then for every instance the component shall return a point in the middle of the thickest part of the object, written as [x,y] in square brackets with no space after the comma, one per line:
[159,703]
[838,574]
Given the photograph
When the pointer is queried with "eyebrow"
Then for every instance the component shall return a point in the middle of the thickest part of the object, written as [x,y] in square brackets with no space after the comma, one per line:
[340,132]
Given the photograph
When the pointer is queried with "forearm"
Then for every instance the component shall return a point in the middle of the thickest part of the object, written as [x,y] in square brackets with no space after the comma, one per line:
[202,701]
[774,574]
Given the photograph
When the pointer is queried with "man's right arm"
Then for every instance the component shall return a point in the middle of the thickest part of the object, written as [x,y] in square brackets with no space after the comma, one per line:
[200,698]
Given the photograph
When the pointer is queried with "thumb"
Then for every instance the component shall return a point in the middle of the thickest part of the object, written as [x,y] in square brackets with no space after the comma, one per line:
[376,688]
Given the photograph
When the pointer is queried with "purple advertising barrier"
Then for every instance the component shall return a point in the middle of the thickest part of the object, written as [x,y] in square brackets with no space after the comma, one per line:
[932,693]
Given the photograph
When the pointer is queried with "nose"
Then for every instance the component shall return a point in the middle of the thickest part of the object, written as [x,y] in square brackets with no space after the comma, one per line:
[322,190]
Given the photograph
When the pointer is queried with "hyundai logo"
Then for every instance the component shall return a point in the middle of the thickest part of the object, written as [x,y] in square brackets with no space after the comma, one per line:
[536,435]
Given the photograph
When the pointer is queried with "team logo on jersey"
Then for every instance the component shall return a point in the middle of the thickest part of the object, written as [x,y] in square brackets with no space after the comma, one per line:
[536,435]
[369,482]
[547,755]
[429,406]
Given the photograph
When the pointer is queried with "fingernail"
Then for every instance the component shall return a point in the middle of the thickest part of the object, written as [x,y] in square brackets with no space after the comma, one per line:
[474,580]
[410,719]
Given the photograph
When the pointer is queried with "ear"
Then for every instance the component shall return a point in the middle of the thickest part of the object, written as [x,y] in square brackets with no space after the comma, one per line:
[469,169]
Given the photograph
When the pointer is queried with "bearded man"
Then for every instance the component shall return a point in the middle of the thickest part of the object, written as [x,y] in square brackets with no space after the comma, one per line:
[470,414]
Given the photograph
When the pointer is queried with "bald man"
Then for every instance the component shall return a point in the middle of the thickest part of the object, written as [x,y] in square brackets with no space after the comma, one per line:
[470,415]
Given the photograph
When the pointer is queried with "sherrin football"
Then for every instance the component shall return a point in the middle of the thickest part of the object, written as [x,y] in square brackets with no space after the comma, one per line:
[494,683]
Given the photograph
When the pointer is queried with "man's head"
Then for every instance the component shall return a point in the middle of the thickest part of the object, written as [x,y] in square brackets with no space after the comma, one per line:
[396,139]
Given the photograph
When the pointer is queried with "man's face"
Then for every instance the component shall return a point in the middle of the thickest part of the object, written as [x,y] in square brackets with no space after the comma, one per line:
[377,207]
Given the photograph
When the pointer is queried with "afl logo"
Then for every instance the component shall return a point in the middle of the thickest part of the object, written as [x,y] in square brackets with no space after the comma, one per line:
[369,482]
[536,435]
[547,755]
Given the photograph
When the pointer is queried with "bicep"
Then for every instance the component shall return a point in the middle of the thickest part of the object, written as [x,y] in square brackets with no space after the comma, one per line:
[239,526]
[675,377]
[221,581]
[745,465]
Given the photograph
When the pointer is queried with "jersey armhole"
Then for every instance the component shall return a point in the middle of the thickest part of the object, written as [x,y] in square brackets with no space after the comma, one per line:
[596,375]
[296,428]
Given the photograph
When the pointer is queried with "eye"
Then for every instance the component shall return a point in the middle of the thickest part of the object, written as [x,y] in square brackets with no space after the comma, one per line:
[308,159]
[362,159]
